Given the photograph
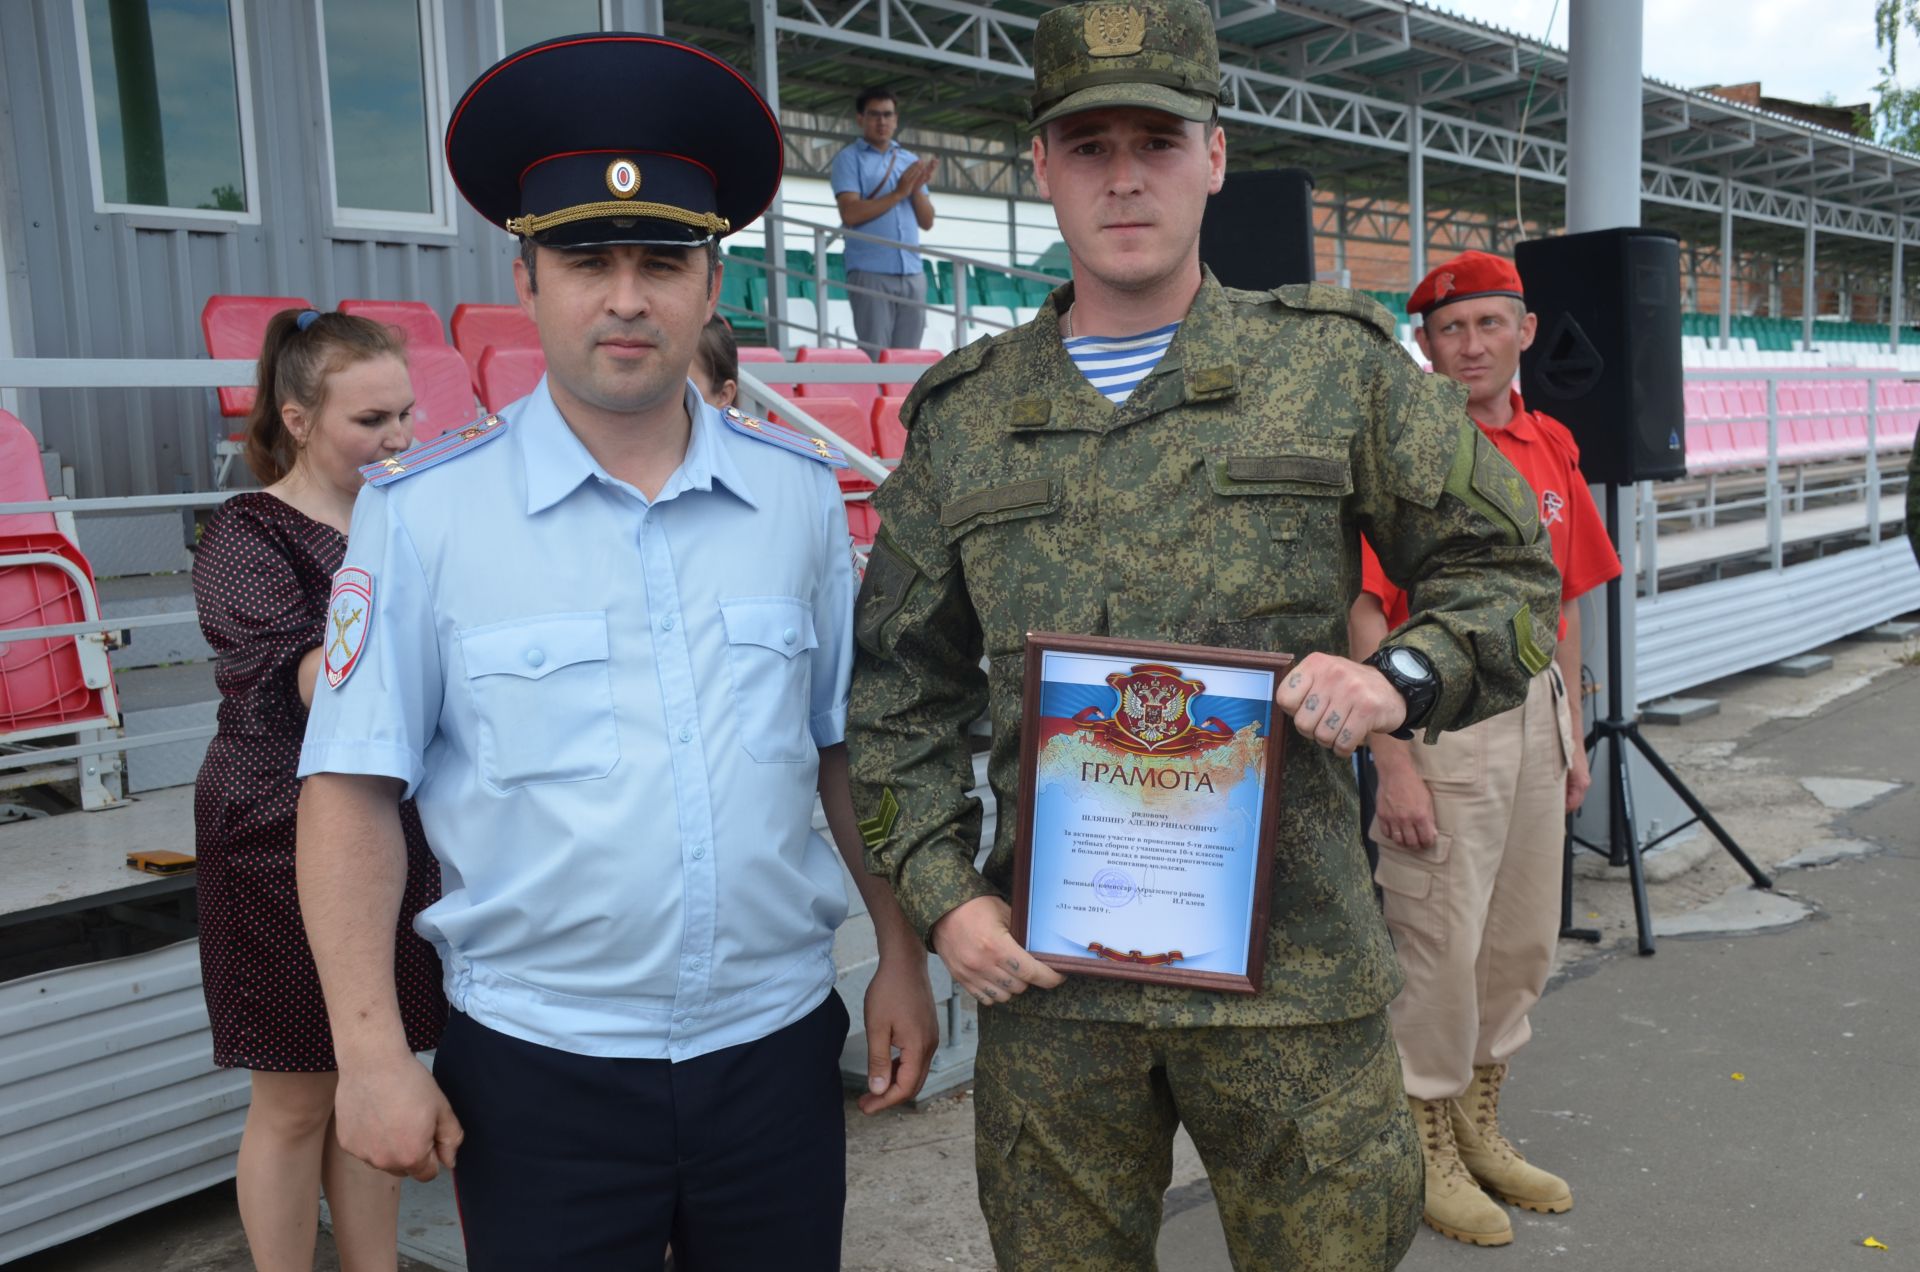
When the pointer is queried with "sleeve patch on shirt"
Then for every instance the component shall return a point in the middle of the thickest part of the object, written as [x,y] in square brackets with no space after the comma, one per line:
[349,614]
[875,829]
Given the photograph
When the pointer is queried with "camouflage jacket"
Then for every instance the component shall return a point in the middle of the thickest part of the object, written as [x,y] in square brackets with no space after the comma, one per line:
[1220,505]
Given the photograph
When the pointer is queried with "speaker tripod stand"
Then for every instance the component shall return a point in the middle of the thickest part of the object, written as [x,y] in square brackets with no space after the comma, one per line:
[1619,732]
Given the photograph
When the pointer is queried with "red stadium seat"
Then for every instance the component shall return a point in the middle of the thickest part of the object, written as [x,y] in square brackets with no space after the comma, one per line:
[414,317]
[916,357]
[234,327]
[442,392]
[758,356]
[477,326]
[889,437]
[863,523]
[56,685]
[507,375]
[852,422]
[862,394]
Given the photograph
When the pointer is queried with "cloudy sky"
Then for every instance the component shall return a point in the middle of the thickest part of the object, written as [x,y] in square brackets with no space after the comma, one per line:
[1801,49]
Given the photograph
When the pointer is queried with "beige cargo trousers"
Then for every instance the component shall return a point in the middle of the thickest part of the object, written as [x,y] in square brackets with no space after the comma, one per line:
[1476,919]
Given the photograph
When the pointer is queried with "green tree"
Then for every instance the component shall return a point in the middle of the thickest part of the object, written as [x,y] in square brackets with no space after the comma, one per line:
[1896,112]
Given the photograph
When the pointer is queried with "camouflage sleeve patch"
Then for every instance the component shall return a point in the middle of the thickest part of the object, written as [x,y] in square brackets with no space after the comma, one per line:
[875,829]
[1532,656]
[1320,298]
[1483,479]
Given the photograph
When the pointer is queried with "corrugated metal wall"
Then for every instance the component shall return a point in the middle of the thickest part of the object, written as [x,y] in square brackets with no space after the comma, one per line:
[126,285]
[109,1101]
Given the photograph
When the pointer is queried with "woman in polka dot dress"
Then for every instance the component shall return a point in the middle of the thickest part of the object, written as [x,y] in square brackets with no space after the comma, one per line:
[332,394]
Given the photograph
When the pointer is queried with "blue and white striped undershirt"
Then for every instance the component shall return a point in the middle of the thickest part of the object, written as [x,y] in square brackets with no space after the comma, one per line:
[1116,366]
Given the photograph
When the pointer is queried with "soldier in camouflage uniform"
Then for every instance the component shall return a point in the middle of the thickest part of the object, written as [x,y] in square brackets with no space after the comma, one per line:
[1219,504]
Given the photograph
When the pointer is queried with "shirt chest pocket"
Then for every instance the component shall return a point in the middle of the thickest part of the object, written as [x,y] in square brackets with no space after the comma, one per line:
[1277,530]
[769,640]
[542,694]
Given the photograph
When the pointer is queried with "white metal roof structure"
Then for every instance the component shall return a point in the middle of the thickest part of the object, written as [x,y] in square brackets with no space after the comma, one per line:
[1399,109]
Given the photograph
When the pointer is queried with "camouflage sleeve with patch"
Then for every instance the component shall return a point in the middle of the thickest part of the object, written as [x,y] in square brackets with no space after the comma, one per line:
[1455,524]
[917,686]
[1913,501]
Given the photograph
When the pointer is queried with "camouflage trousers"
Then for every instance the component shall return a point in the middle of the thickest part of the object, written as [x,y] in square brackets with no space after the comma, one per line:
[1305,1134]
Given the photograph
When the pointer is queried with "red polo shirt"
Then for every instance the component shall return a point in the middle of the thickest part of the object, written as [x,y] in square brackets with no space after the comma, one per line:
[1547,456]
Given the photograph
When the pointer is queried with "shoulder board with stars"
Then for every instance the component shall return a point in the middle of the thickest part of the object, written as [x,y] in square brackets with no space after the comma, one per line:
[790,439]
[437,451]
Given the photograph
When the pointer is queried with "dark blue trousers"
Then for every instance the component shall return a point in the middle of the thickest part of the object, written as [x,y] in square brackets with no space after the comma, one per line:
[582,1162]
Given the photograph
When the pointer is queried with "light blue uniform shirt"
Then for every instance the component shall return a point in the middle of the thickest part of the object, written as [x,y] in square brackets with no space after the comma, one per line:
[609,712]
[861,170]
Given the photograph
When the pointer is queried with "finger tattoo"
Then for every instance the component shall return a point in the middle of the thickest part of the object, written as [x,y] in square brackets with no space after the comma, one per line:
[1313,702]
[1005,984]
[1013,964]
[1346,736]
[1333,719]
[1295,682]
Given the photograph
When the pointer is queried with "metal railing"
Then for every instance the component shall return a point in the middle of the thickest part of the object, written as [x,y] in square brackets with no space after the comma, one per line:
[121,373]
[1872,486]
[777,274]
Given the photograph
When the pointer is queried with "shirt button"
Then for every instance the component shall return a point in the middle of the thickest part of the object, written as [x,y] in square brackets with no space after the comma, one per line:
[698,853]
[789,636]
[686,733]
[666,624]
[535,657]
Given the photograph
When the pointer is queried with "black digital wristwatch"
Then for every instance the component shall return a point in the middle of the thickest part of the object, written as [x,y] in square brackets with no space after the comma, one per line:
[1411,675]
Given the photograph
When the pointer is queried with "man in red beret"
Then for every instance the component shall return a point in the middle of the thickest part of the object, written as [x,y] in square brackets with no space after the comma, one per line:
[1471,827]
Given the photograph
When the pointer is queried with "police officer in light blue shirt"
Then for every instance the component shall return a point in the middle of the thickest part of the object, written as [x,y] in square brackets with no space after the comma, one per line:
[603,639]
[881,189]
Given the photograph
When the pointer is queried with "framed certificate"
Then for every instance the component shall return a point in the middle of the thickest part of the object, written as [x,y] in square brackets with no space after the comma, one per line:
[1149,791]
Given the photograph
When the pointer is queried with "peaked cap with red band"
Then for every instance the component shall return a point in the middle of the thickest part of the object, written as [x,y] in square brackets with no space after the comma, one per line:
[612,137]
[1465,277]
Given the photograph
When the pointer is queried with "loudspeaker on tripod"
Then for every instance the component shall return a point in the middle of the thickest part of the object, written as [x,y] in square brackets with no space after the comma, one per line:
[1258,231]
[1606,358]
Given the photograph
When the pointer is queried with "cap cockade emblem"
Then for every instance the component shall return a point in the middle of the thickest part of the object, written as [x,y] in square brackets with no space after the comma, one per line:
[1115,30]
[623,178]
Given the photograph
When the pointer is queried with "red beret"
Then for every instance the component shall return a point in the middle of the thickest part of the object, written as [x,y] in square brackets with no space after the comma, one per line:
[1466,276]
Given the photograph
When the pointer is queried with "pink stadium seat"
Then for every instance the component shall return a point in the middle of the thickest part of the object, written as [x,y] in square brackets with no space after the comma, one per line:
[477,326]
[414,317]
[1696,399]
[234,326]
[862,394]
[442,392]
[507,375]
[51,685]
[889,437]
[915,357]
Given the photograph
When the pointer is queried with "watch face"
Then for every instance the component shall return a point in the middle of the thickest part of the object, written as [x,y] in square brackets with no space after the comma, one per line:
[1408,664]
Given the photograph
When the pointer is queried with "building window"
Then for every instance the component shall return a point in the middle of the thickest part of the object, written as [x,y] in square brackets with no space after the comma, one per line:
[524,22]
[385,100]
[165,91]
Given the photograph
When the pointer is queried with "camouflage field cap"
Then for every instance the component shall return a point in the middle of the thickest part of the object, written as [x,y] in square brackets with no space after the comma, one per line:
[1160,54]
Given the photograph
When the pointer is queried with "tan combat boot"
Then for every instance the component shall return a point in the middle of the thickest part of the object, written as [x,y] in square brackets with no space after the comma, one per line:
[1498,1165]
[1455,1205]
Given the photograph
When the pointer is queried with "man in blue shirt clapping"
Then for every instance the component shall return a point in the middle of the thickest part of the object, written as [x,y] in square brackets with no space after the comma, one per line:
[881,187]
